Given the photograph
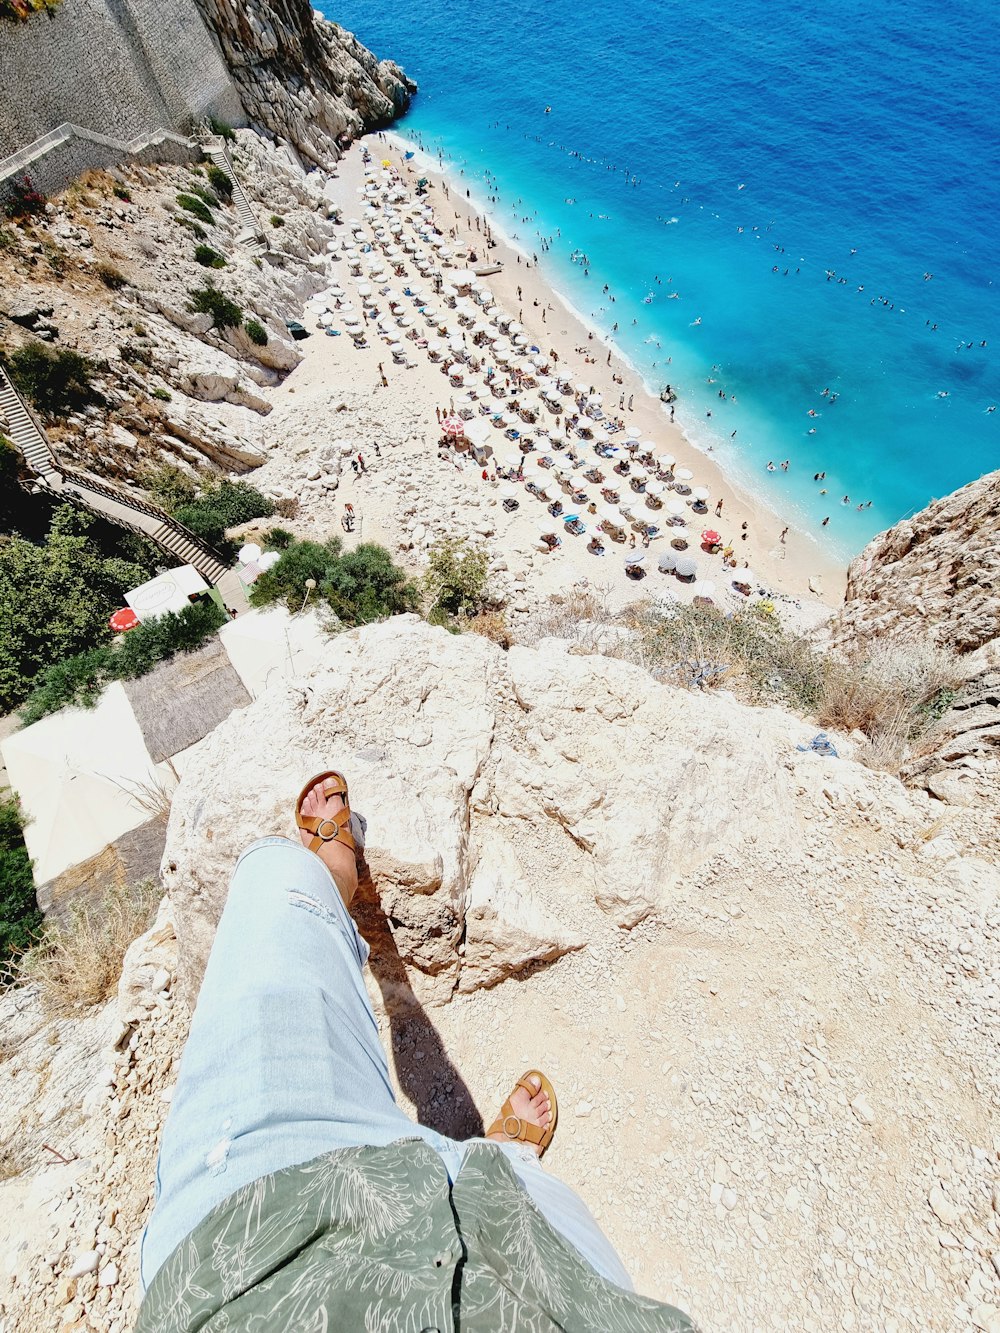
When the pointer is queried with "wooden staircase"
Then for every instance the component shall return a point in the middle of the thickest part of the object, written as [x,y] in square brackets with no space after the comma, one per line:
[114,503]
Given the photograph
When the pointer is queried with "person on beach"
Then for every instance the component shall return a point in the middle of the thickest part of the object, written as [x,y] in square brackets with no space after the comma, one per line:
[293,1191]
[784,534]
[718,509]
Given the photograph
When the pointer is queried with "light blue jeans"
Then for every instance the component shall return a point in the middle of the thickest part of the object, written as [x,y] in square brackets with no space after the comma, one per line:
[284,1062]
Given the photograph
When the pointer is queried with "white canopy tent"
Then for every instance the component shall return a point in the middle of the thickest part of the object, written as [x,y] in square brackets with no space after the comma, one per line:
[84,777]
[270,644]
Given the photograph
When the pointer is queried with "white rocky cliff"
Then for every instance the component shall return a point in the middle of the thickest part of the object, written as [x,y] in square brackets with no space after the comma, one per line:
[303,78]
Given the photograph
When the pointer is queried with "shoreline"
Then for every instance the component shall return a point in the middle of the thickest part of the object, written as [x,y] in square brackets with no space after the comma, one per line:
[800,566]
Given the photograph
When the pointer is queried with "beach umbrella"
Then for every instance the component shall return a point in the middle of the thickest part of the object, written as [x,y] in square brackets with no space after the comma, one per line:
[633,432]
[667,561]
[656,487]
[249,553]
[700,493]
[710,537]
[683,474]
[608,515]
[635,558]
[508,491]
[675,507]
[364,289]
[454,426]
[686,566]
[396,348]
[582,388]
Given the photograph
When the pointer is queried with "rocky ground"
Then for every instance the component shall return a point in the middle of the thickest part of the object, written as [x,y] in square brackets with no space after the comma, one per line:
[763,982]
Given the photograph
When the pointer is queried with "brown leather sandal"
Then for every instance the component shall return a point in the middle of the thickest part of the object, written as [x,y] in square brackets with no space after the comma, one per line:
[512,1127]
[337,828]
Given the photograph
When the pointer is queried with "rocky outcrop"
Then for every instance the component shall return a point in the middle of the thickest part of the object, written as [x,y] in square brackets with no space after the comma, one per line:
[511,799]
[936,575]
[303,78]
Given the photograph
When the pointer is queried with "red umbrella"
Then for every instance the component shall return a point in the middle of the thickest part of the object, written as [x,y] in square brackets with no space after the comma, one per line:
[453,426]
[124,619]
[710,537]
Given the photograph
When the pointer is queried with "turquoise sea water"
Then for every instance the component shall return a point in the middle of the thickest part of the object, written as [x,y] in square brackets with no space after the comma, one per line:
[743,155]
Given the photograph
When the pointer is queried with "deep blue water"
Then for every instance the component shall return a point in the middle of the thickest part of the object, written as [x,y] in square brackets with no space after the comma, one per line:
[844,138]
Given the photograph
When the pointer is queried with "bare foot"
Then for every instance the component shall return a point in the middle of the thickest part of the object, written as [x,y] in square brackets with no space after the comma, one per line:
[338,859]
[535,1110]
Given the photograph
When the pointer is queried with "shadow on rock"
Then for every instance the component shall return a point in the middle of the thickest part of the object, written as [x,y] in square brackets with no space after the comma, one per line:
[423,1067]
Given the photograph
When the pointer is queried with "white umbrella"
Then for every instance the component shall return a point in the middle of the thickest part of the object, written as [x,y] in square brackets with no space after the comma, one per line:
[583,388]
[633,432]
[635,558]
[667,560]
[686,566]
[675,507]
[700,493]
[683,474]
[656,487]
[248,553]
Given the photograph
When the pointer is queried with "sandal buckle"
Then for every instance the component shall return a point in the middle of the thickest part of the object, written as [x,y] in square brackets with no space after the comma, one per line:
[518,1124]
[324,825]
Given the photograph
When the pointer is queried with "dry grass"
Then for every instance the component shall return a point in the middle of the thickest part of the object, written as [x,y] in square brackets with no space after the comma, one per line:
[79,963]
[13,1160]
[893,695]
[491,625]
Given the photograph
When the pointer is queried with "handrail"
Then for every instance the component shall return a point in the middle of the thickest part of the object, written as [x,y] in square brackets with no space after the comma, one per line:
[10,166]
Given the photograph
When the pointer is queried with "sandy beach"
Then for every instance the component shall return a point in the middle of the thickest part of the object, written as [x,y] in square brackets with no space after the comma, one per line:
[391,497]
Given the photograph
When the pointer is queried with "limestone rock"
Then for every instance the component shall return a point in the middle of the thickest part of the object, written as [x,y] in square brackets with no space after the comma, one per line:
[935,575]
[504,794]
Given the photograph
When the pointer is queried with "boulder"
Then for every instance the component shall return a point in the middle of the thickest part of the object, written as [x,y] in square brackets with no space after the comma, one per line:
[508,797]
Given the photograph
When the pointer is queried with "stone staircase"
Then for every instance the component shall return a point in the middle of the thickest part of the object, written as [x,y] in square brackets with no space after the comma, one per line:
[114,503]
[252,235]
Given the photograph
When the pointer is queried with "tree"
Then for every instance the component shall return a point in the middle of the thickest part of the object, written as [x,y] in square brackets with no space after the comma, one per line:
[456,578]
[20,919]
[58,381]
[359,586]
[55,599]
[365,585]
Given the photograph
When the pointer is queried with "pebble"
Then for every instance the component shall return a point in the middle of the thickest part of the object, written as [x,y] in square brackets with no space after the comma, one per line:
[84,1263]
[108,1275]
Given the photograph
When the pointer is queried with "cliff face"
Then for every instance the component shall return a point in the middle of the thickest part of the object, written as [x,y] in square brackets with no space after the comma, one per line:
[303,78]
[934,575]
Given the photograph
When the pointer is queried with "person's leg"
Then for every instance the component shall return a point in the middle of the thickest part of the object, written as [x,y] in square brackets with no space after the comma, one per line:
[283,1061]
[561,1206]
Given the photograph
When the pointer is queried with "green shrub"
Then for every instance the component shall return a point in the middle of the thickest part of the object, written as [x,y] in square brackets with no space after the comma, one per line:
[164,395]
[77,584]
[20,919]
[23,200]
[456,576]
[80,680]
[168,484]
[57,381]
[206,195]
[209,300]
[221,507]
[198,207]
[220,182]
[195,228]
[256,332]
[135,355]
[276,539]
[360,586]
[277,221]
[208,258]
[112,277]
[222,129]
